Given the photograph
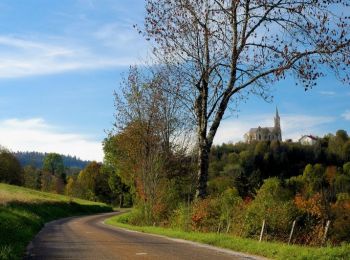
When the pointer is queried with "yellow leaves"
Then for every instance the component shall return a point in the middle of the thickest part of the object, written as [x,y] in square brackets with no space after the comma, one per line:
[312,205]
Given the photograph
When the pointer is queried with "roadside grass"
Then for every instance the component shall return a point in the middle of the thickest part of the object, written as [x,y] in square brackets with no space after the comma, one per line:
[23,212]
[273,250]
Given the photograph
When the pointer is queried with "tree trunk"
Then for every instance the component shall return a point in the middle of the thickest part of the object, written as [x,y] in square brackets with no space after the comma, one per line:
[202,175]
[121,200]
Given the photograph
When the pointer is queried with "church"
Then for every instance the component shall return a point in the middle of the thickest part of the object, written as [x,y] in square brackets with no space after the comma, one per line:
[266,133]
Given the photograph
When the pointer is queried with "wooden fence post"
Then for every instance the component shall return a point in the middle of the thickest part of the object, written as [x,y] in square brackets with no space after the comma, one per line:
[262,231]
[228,227]
[291,232]
[325,232]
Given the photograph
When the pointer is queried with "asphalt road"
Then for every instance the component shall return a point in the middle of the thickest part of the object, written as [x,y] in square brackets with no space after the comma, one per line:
[88,238]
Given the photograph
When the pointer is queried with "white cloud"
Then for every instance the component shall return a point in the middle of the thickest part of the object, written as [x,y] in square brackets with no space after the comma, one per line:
[122,38]
[327,93]
[25,57]
[111,36]
[37,135]
[346,115]
[293,126]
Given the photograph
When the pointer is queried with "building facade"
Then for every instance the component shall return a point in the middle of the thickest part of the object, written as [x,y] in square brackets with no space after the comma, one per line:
[308,140]
[266,133]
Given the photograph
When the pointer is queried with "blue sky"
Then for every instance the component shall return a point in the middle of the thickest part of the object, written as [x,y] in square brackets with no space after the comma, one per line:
[62,60]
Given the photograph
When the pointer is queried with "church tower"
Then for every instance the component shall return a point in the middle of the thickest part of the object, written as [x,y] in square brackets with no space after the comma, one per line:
[273,133]
[278,126]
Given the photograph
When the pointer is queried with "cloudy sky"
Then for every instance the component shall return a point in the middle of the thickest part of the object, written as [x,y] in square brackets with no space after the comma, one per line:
[60,62]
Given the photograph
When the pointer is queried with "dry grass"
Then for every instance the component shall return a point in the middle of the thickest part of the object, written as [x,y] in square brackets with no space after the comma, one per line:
[6,197]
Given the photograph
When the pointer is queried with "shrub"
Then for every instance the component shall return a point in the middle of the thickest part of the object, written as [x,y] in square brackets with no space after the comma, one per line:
[274,205]
[340,230]
[206,215]
[181,218]
[230,203]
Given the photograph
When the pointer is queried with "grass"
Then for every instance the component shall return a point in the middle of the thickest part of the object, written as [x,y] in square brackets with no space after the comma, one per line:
[272,250]
[23,212]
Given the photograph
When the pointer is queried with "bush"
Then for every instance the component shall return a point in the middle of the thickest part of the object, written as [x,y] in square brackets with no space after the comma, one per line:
[230,207]
[181,218]
[340,230]
[206,215]
[273,204]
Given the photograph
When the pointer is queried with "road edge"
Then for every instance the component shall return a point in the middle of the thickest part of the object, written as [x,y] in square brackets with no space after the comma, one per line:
[193,243]
[27,252]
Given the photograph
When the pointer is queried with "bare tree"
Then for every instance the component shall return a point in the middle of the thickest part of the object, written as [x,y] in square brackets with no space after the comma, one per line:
[149,123]
[224,50]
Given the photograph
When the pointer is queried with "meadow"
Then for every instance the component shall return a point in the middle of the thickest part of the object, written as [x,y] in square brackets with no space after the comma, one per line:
[23,212]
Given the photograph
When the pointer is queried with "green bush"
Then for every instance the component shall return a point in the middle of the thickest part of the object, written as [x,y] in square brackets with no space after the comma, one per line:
[273,204]
[181,218]
[230,206]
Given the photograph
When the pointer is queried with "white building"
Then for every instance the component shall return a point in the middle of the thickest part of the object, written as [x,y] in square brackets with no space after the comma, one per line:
[308,140]
[266,133]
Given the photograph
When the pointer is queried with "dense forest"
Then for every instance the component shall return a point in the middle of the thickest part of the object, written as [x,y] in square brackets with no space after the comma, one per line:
[36,159]
[248,164]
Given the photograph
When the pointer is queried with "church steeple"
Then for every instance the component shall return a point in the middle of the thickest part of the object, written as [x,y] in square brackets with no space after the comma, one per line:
[266,133]
[278,126]
[277,120]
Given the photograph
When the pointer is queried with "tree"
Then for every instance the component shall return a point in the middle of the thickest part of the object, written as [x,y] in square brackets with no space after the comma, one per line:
[53,163]
[87,180]
[223,50]
[147,146]
[314,178]
[119,190]
[70,187]
[10,169]
[149,129]
[32,177]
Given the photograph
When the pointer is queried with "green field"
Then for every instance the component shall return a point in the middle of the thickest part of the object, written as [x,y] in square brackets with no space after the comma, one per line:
[267,249]
[23,212]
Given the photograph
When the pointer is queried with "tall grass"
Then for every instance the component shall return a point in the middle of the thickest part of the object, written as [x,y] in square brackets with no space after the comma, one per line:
[272,250]
[23,212]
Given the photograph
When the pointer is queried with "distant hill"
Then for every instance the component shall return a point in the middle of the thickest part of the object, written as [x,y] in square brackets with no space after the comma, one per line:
[36,159]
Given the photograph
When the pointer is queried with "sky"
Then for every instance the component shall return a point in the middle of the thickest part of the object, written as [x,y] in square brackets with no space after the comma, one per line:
[61,61]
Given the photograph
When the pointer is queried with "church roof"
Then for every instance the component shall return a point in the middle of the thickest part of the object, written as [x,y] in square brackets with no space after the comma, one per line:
[315,138]
[254,130]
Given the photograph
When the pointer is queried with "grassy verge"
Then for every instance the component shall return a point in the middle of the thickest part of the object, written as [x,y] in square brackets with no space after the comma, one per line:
[23,212]
[267,249]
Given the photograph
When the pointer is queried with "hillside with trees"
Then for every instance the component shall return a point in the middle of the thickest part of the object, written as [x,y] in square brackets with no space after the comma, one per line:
[249,183]
[277,183]
[248,164]
[95,182]
[36,159]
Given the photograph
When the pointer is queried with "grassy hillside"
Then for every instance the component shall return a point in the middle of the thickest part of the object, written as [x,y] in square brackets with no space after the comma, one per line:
[23,212]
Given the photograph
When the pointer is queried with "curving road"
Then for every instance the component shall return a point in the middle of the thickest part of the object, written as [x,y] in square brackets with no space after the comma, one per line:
[88,238]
